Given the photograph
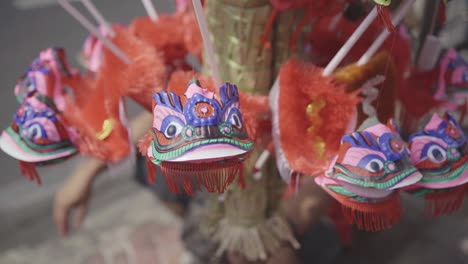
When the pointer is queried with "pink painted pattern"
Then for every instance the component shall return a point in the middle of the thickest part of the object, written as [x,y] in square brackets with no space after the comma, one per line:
[195,89]
[354,155]
[161,112]
[10,147]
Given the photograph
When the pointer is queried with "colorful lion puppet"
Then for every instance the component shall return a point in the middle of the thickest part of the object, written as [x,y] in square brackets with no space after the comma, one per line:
[444,87]
[38,134]
[197,137]
[175,35]
[371,165]
[310,114]
[452,89]
[440,152]
[100,121]
[49,73]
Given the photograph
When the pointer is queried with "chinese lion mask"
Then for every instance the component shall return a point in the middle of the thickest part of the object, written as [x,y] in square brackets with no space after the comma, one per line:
[38,134]
[440,152]
[372,164]
[199,137]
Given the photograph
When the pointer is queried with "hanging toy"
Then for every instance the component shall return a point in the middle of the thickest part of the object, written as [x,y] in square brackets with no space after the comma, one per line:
[175,35]
[452,89]
[198,138]
[45,75]
[443,87]
[314,108]
[371,165]
[440,152]
[102,133]
[139,79]
[39,135]
[292,101]
[92,50]
[138,75]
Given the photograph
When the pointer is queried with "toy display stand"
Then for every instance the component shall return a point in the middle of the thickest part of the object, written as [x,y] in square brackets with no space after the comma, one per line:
[250,214]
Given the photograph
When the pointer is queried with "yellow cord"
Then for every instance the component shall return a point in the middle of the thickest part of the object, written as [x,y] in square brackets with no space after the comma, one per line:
[107,127]
[315,121]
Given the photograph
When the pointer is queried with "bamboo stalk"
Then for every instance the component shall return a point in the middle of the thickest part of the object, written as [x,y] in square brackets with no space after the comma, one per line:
[250,222]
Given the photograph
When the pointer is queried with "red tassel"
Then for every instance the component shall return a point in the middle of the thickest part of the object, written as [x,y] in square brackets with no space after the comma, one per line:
[268,27]
[291,189]
[384,13]
[444,202]
[374,216]
[371,216]
[28,169]
[215,177]
[271,147]
[241,179]
[170,180]
[151,171]
[343,228]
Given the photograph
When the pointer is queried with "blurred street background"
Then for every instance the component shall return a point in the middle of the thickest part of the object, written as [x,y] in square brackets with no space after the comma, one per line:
[122,213]
[123,216]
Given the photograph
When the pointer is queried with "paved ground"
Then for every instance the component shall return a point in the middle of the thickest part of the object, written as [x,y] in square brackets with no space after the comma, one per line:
[126,225]
[416,240]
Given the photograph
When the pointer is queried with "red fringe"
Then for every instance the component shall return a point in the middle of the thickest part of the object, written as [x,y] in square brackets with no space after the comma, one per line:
[291,188]
[444,203]
[144,143]
[343,228]
[384,13]
[373,216]
[28,169]
[151,171]
[241,179]
[214,177]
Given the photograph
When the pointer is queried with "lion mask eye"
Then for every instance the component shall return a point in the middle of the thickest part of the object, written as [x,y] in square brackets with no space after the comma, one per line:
[234,118]
[436,154]
[374,165]
[172,127]
[35,132]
